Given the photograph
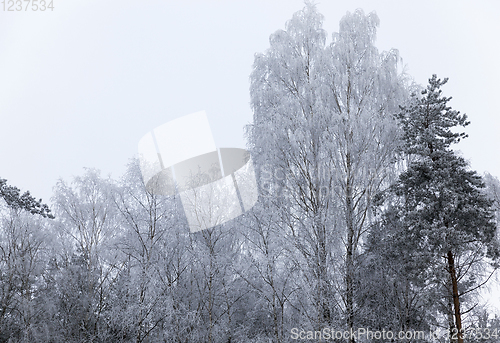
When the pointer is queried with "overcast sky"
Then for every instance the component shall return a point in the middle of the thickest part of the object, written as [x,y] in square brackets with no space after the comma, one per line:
[80,85]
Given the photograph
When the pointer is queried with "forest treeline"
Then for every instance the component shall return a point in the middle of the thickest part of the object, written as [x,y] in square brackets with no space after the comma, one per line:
[366,218]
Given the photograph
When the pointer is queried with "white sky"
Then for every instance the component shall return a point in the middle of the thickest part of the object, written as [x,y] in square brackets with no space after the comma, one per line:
[81,85]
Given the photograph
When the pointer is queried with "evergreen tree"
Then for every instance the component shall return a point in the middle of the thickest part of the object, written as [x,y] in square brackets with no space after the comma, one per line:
[25,201]
[438,202]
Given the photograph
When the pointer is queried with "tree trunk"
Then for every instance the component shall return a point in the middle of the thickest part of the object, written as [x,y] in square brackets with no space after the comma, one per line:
[349,260]
[456,300]
[451,320]
[325,317]
[349,286]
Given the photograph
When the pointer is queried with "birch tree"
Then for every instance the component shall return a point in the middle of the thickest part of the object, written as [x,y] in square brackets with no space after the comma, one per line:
[270,270]
[365,89]
[153,245]
[323,124]
[493,192]
[87,258]
[23,254]
[287,137]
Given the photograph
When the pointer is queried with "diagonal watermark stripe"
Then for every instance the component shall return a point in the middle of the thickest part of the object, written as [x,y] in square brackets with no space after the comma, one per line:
[215,185]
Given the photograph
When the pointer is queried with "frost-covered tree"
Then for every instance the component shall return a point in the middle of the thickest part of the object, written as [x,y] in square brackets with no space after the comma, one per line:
[269,268]
[152,247]
[365,89]
[23,253]
[25,201]
[324,140]
[493,192]
[391,282]
[86,255]
[286,139]
[438,203]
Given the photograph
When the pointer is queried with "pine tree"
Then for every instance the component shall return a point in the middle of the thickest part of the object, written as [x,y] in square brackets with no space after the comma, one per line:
[439,202]
[14,199]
